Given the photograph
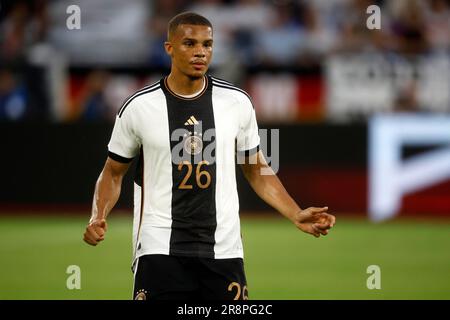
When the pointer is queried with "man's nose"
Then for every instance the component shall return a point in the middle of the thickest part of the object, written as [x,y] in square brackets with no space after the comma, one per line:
[200,52]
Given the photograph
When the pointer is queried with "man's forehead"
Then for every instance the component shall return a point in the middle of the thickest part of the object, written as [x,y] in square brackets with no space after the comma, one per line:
[191,30]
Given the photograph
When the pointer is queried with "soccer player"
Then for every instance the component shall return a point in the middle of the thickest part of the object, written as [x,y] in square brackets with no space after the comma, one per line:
[186,130]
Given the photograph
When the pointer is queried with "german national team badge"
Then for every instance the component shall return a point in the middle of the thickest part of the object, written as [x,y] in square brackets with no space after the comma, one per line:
[193,144]
[141,295]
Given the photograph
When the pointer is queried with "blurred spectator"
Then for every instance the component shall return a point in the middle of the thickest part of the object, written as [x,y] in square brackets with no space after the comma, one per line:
[319,39]
[354,35]
[406,99]
[282,41]
[234,24]
[25,24]
[13,97]
[409,27]
[437,21]
[91,104]
[163,11]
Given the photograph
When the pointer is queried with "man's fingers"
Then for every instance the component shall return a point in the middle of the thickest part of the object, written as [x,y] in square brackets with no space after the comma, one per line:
[88,239]
[333,220]
[315,232]
[323,230]
[100,231]
[93,234]
[102,224]
[321,226]
[320,229]
[100,227]
[316,221]
[315,210]
[91,239]
[327,220]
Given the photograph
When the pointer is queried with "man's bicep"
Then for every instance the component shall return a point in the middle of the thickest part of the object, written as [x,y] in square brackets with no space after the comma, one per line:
[116,168]
[252,164]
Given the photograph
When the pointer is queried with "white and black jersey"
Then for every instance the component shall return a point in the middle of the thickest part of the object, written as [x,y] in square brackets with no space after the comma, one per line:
[186,200]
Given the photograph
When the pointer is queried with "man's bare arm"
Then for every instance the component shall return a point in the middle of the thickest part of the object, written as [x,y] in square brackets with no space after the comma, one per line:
[315,221]
[106,194]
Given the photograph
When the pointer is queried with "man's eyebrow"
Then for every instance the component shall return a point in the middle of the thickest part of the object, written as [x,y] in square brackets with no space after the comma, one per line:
[195,40]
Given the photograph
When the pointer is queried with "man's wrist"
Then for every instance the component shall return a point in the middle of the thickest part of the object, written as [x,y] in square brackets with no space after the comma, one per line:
[96,217]
[292,214]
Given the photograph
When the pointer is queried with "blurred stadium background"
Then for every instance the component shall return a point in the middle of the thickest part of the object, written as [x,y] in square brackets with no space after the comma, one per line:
[364,127]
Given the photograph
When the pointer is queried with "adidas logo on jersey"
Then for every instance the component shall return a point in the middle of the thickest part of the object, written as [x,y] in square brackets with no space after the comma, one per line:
[191,121]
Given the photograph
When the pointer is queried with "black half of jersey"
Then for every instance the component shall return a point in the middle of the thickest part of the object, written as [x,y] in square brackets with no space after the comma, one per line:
[192,143]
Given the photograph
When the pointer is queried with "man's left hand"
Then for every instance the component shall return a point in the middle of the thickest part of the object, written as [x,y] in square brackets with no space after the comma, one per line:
[315,221]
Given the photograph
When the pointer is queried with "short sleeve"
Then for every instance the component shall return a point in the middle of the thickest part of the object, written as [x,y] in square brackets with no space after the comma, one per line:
[248,137]
[124,143]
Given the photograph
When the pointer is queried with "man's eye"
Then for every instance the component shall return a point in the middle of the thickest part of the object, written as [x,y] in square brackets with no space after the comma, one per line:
[188,43]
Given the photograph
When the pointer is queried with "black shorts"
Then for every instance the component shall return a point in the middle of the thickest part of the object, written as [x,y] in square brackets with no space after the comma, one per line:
[163,277]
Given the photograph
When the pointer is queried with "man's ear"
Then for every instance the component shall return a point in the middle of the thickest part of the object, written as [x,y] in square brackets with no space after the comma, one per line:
[169,48]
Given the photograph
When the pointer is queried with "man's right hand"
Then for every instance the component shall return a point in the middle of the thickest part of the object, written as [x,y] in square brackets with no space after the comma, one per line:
[95,232]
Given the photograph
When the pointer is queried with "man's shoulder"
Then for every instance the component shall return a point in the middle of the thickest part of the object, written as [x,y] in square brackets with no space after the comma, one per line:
[146,94]
[230,90]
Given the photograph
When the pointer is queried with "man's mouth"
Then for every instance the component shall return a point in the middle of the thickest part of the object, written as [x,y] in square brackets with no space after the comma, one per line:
[198,64]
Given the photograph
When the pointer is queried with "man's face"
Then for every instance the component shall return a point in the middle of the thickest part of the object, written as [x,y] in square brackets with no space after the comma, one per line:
[190,48]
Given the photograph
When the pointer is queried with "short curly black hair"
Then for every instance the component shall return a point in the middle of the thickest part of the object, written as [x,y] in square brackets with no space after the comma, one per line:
[186,18]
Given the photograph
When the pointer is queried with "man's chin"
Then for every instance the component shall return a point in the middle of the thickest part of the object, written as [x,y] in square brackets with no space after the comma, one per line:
[196,75]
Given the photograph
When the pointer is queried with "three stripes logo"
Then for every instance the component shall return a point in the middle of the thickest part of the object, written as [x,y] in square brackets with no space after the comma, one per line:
[191,121]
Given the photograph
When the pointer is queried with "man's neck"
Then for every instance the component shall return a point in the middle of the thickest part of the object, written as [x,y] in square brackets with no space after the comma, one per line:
[183,85]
